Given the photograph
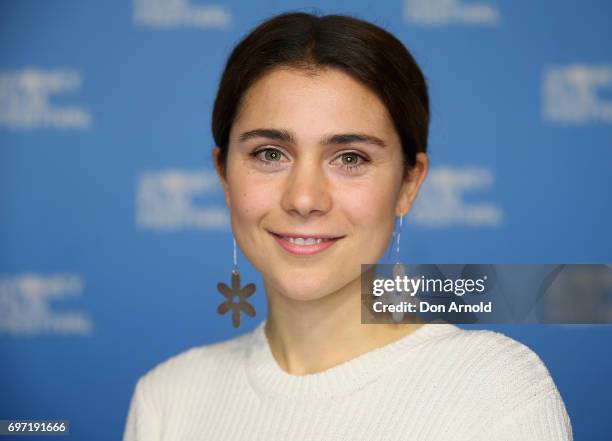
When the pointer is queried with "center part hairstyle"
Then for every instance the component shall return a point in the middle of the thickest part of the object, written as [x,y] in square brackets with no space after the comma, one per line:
[307,42]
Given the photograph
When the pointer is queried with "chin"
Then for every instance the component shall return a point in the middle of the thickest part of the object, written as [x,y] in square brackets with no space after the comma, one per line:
[304,289]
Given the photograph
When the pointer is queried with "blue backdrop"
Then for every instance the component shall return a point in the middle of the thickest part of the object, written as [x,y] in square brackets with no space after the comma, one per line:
[113,229]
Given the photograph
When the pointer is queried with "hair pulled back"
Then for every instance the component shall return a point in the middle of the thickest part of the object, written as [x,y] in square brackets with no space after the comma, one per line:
[308,42]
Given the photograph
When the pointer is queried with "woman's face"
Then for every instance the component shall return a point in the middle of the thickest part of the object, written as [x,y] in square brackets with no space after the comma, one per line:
[314,158]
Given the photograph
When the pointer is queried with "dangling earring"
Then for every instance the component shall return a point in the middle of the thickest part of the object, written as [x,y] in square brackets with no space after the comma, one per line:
[398,268]
[235,290]
[399,271]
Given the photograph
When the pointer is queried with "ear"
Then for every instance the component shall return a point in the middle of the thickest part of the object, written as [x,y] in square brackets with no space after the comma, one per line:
[220,172]
[411,184]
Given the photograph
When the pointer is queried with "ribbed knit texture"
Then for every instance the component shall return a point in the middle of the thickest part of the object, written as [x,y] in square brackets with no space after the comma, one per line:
[438,383]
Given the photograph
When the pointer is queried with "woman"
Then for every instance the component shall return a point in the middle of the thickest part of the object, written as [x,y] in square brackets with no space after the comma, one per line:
[321,128]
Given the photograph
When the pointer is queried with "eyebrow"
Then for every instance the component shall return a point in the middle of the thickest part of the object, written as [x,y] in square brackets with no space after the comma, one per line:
[288,137]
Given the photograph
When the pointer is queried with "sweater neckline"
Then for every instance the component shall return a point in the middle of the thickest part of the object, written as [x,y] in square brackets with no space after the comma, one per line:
[268,379]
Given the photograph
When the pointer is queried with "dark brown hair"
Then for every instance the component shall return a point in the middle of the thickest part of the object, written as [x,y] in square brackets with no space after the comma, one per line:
[361,49]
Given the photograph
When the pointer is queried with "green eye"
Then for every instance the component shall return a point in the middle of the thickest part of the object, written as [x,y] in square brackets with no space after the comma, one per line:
[272,155]
[350,159]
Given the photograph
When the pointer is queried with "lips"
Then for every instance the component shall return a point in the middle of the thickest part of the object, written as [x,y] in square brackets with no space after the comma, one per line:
[304,244]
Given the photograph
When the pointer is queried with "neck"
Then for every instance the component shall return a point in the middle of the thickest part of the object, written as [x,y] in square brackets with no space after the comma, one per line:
[311,336]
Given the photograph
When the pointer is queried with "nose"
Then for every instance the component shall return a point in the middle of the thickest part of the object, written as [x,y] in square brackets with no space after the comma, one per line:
[307,190]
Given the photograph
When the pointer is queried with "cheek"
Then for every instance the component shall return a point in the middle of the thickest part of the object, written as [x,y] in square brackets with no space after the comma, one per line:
[370,209]
[369,204]
[250,196]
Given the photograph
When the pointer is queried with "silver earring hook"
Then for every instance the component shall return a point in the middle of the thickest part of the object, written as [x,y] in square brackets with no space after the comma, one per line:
[235,269]
[398,268]
[399,232]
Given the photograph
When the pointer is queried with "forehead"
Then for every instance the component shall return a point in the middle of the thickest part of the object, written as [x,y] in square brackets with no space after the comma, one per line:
[306,102]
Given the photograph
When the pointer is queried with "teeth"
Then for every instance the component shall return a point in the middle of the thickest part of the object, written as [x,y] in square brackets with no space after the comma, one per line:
[302,241]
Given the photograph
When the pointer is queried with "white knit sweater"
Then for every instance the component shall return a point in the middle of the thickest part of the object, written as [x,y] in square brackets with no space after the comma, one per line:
[438,383]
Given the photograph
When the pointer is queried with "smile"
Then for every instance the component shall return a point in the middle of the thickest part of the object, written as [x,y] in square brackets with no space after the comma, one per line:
[301,245]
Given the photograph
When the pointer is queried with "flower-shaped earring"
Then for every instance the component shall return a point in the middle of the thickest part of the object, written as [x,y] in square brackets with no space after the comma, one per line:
[235,291]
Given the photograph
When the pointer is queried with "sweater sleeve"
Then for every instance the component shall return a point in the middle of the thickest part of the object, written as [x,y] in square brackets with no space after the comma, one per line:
[530,405]
[544,419]
[143,422]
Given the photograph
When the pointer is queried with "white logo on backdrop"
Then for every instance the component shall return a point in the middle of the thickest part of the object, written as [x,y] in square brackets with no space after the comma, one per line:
[441,12]
[166,14]
[441,201]
[166,201]
[572,94]
[25,104]
[26,310]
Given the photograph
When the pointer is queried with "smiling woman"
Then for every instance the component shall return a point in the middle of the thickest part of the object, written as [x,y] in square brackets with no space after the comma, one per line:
[314,156]
[321,127]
